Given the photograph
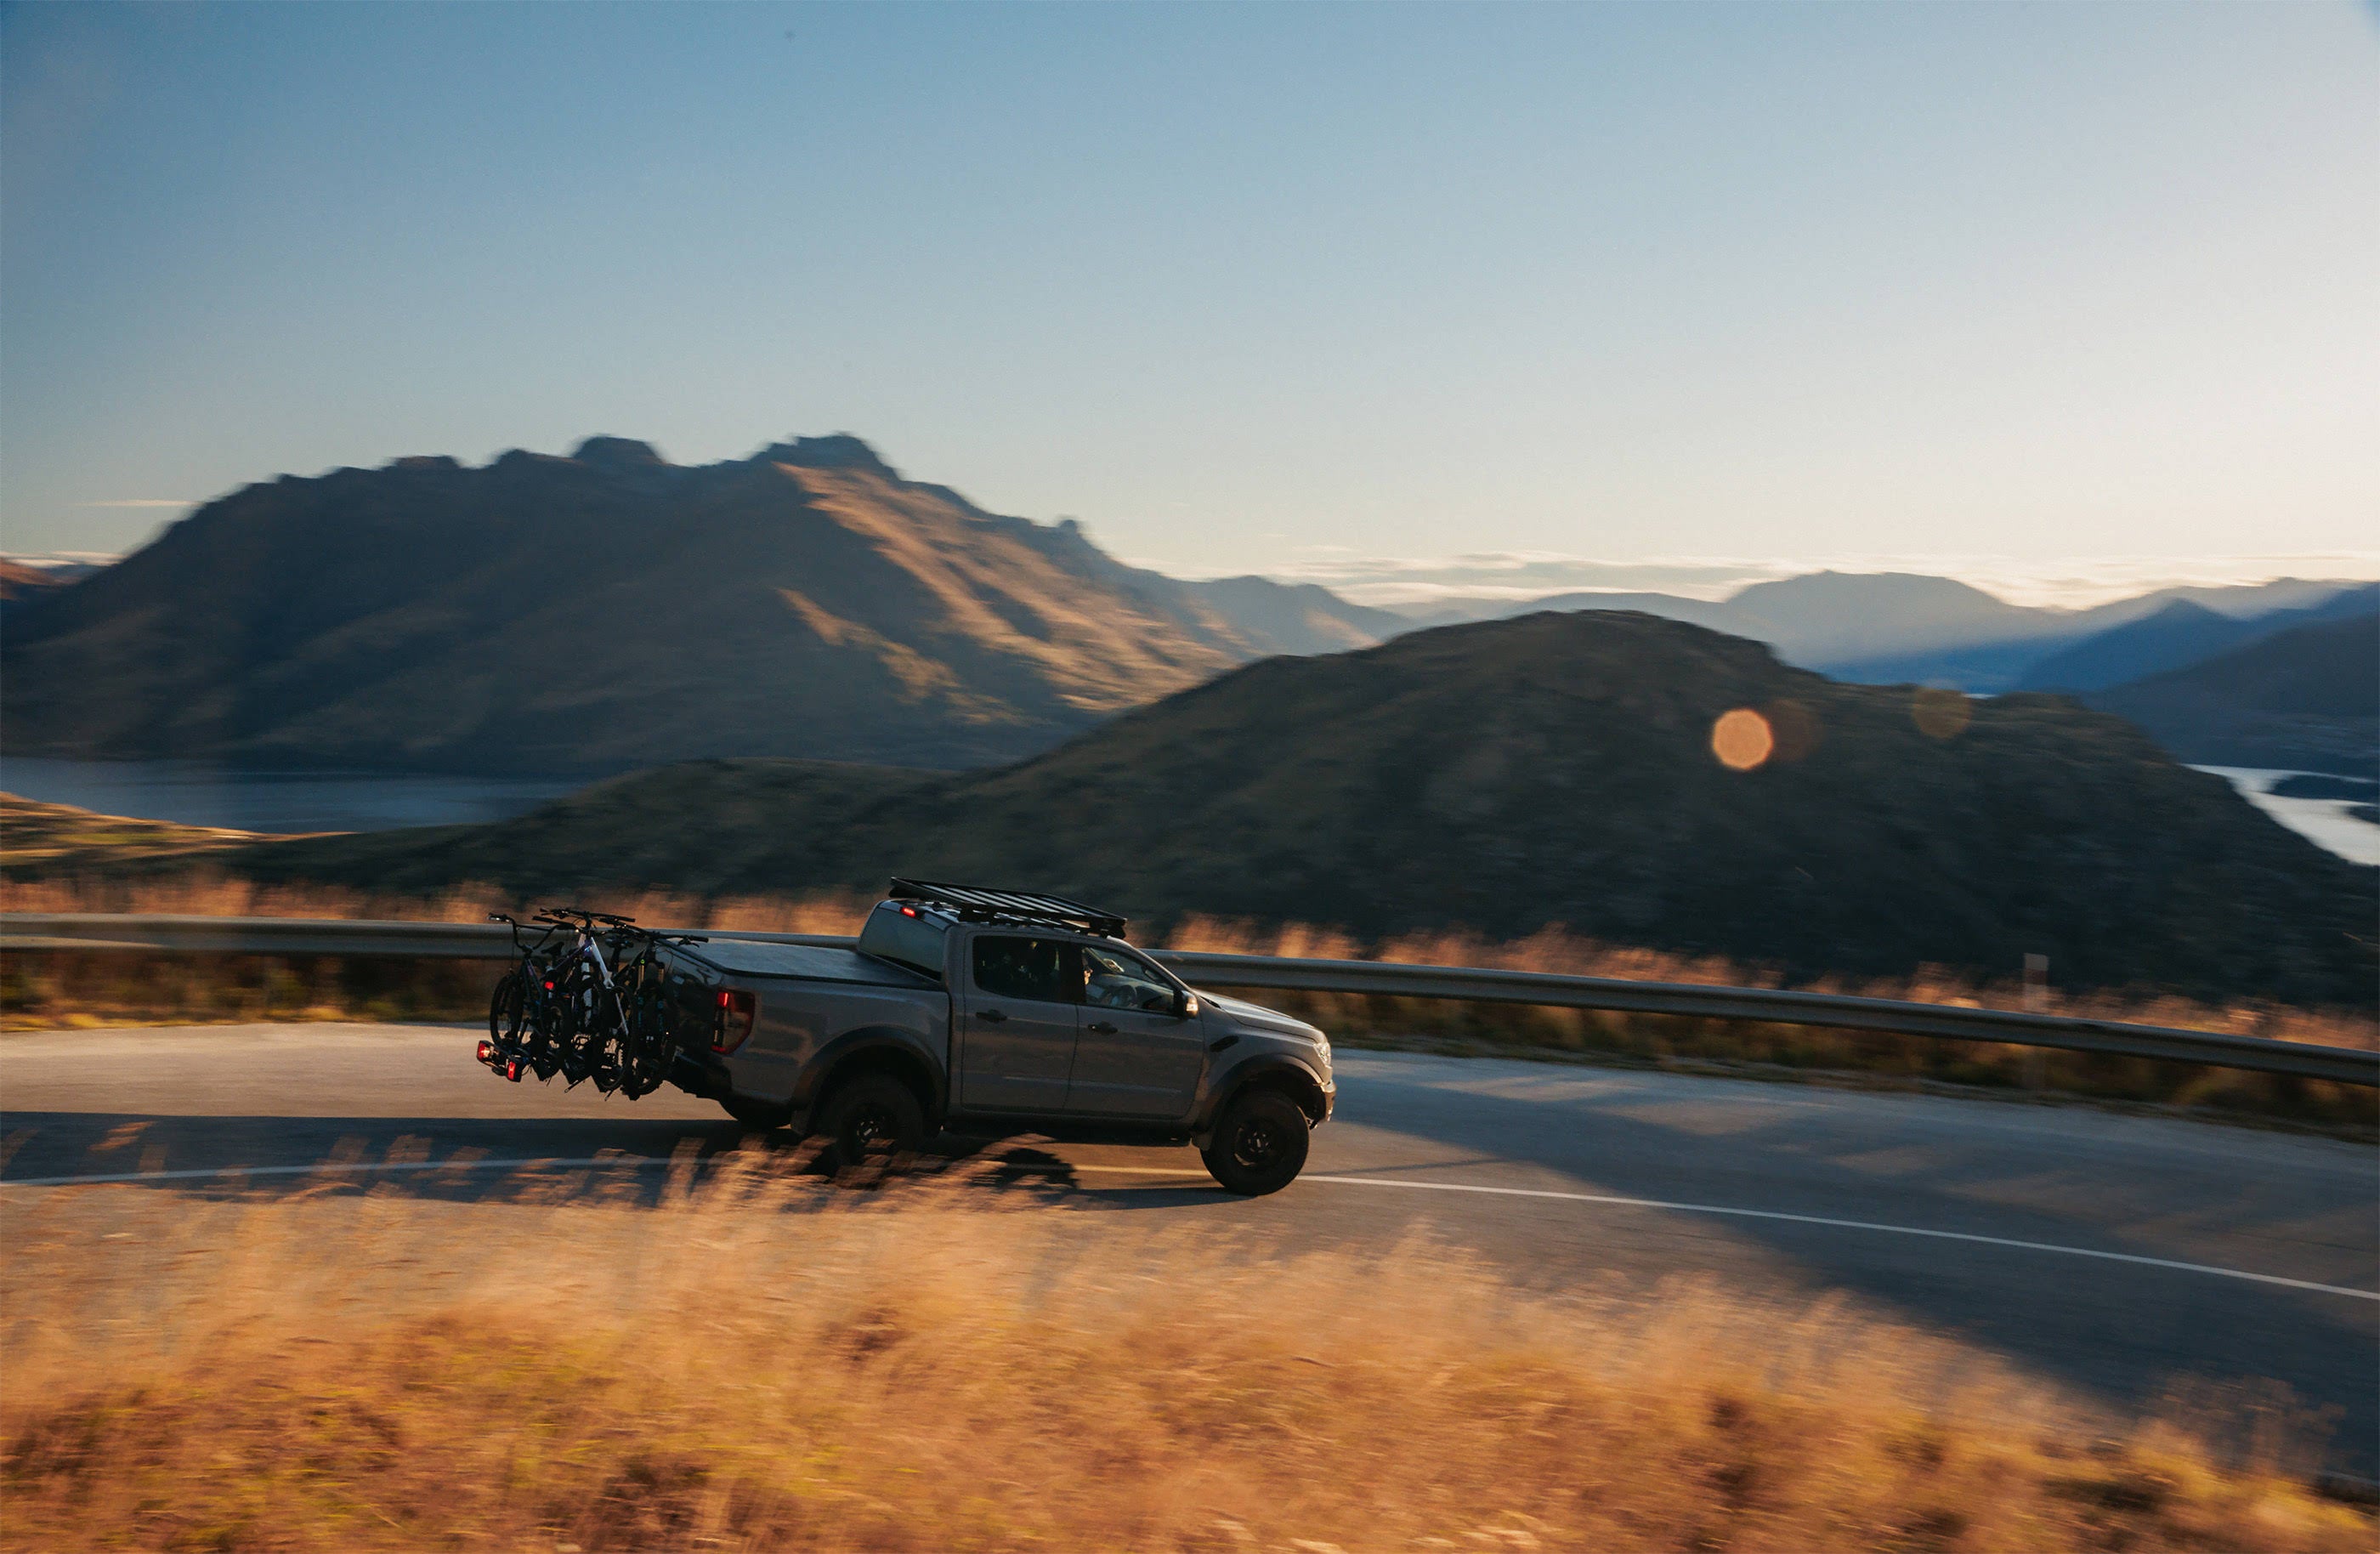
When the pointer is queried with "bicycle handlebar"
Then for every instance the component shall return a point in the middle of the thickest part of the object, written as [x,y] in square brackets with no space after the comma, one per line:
[584,921]
[566,913]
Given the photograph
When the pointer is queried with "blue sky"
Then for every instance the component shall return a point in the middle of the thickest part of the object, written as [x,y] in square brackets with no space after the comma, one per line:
[2051,297]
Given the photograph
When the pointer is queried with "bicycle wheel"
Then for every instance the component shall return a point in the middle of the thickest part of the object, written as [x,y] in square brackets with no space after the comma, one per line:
[538,1014]
[505,1009]
[573,1036]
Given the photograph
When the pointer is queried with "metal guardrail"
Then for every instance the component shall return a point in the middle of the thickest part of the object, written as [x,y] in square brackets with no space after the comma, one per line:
[294,936]
[1835,1011]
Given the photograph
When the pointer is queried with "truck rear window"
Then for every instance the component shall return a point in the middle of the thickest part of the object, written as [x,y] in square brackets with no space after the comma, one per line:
[913,941]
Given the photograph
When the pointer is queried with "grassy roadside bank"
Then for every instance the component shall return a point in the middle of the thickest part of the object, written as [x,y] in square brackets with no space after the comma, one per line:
[764,1363]
[65,990]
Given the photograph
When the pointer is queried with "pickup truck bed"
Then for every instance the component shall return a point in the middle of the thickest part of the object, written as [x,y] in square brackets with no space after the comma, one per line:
[815,962]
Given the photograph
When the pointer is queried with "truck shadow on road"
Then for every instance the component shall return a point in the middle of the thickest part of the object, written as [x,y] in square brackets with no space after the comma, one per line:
[629,1160]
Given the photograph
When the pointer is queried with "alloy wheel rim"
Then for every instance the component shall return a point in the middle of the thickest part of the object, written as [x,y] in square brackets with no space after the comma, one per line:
[870,1128]
[1255,1146]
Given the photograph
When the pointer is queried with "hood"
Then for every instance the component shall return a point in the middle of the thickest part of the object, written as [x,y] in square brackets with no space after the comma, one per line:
[1256,1016]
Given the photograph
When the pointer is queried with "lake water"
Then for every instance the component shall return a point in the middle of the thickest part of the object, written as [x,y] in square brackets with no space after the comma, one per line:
[196,794]
[2324,821]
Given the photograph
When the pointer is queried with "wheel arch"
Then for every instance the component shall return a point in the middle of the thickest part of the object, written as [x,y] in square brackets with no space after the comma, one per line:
[881,1049]
[1284,1074]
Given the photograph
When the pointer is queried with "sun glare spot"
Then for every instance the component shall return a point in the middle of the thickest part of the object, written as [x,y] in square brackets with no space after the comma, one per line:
[1742,739]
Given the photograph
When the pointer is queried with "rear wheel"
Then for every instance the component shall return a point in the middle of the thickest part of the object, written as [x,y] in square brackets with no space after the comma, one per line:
[1259,1144]
[871,1125]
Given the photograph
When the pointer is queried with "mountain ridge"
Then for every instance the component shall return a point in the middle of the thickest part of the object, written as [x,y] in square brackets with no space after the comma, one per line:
[608,609]
[1506,776]
[599,611]
[2307,698]
[1896,627]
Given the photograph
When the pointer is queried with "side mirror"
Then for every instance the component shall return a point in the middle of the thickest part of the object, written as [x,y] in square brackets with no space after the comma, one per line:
[1185,1005]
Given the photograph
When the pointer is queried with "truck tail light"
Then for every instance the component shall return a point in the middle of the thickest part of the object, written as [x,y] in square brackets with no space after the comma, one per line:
[737,1010]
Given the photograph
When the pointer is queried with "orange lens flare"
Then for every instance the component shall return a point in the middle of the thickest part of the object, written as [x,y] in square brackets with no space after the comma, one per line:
[1742,739]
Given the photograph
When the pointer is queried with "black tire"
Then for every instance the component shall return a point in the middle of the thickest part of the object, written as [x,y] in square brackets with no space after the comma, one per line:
[760,1114]
[870,1125]
[505,1010]
[1258,1144]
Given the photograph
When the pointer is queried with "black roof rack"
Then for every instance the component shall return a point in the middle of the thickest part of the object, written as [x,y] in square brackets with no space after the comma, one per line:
[980,904]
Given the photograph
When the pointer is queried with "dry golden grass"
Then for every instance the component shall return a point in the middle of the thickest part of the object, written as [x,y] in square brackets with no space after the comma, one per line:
[763,1363]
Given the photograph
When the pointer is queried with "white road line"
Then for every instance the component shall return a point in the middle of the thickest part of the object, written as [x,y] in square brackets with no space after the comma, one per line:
[647,1162]
[1793,1218]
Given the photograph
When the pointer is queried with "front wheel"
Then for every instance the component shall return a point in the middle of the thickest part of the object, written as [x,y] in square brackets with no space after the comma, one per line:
[1259,1144]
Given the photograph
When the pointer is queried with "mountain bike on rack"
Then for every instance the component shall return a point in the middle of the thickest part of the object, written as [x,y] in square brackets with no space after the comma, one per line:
[645,1042]
[588,1017]
[545,1015]
[524,1010]
[567,1009]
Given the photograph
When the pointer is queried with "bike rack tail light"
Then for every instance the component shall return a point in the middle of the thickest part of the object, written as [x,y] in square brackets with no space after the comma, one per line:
[736,1011]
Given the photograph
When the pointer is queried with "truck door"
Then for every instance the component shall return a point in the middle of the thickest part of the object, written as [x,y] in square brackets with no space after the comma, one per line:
[1135,1056]
[1016,1024]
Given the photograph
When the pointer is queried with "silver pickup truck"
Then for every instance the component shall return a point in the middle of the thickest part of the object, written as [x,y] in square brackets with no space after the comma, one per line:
[992,1012]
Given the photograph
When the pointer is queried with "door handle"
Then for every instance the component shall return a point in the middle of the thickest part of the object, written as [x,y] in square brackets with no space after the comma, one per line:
[1102,1028]
[989,1016]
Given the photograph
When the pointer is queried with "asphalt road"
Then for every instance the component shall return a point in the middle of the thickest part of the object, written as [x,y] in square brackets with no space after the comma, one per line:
[2107,1254]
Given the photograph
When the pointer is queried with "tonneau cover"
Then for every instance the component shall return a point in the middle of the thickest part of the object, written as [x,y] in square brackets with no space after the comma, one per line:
[819,963]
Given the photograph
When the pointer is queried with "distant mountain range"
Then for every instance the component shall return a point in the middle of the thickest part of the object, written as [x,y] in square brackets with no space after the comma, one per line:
[23,580]
[611,610]
[1893,629]
[2306,699]
[2136,657]
[1508,775]
[2182,634]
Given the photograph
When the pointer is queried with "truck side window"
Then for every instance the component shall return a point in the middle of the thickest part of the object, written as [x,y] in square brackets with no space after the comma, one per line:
[1028,968]
[1117,979]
